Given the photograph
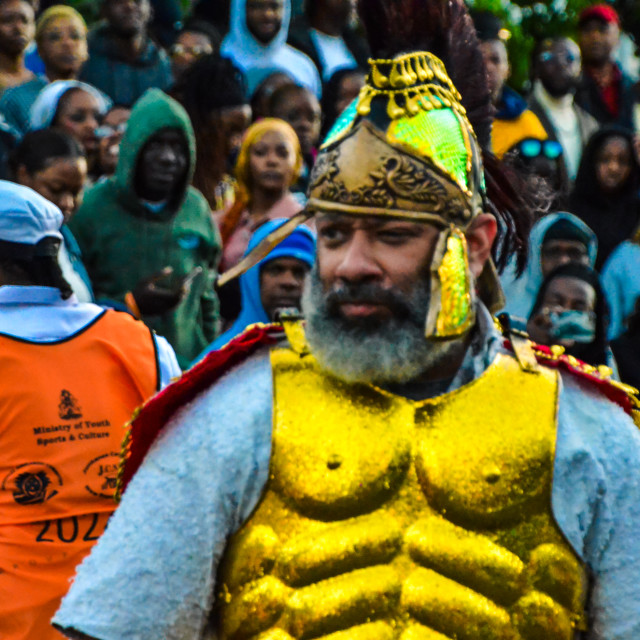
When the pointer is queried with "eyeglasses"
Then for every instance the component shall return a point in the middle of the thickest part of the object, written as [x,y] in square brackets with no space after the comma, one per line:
[532,148]
[107,131]
[196,50]
[549,56]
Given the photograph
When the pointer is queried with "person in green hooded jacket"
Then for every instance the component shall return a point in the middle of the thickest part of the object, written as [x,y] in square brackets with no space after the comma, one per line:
[147,237]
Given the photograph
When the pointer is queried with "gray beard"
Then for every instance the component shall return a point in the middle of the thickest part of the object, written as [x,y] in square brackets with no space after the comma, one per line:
[372,352]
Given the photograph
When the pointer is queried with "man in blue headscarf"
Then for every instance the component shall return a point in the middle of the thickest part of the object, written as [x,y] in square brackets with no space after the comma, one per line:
[274,283]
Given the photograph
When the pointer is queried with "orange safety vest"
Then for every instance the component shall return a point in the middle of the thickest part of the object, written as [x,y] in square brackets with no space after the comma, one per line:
[63,406]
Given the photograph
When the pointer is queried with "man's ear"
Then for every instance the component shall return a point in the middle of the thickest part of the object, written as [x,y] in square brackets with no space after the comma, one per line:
[480,236]
[23,177]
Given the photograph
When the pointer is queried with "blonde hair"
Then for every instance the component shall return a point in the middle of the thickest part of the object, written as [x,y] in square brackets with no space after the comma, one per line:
[254,134]
[55,12]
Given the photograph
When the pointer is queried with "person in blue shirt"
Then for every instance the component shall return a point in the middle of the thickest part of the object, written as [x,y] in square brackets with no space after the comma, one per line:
[123,60]
[621,281]
[61,38]
[48,310]
[276,282]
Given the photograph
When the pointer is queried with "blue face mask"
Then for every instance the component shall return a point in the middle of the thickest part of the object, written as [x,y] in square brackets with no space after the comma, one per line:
[579,326]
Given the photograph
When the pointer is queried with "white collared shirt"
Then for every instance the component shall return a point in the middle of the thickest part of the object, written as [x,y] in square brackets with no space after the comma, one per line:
[39,314]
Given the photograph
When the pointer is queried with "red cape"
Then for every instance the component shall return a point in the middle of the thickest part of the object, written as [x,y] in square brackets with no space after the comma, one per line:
[618,392]
[148,421]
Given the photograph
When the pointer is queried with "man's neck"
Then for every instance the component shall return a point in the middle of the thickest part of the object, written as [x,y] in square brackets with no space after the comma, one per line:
[496,98]
[602,73]
[129,47]
[53,75]
[328,23]
[16,277]
[13,65]
[464,361]
[437,379]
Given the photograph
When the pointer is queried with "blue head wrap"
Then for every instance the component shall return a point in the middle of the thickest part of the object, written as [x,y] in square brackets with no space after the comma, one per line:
[301,244]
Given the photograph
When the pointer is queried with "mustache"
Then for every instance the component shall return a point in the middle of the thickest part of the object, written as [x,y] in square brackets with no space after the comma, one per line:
[368,293]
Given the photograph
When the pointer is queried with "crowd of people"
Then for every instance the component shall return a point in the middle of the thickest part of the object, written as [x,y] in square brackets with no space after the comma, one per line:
[141,160]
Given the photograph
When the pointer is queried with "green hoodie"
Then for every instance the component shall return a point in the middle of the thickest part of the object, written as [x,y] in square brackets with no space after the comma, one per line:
[123,240]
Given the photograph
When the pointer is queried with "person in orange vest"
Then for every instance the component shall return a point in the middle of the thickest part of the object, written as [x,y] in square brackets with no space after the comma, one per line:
[72,374]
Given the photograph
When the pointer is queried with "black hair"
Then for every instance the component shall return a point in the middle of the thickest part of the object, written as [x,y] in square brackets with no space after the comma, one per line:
[62,102]
[260,93]
[330,95]
[38,148]
[595,352]
[612,216]
[487,25]
[282,94]
[39,271]
[587,181]
[309,8]
[205,28]
[210,84]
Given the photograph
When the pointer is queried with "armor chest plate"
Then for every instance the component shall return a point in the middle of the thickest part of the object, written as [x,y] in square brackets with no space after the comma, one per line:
[386,518]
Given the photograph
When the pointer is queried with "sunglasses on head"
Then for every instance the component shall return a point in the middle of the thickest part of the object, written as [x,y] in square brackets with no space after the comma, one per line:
[532,148]
[196,50]
[549,56]
[106,131]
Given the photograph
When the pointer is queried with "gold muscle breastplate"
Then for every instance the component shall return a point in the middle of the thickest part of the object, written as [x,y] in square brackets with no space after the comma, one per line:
[386,518]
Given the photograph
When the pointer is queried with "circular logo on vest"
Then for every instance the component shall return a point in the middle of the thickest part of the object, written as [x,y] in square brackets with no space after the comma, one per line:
[101,475]
[32,482]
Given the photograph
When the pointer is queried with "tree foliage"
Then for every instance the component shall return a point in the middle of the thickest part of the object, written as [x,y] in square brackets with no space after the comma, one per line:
[530,21]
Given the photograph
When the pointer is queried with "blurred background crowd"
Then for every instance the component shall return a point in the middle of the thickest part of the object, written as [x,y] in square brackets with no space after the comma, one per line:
[173,135]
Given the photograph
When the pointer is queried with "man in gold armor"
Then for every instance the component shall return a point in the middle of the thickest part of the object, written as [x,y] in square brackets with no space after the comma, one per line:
[393,468]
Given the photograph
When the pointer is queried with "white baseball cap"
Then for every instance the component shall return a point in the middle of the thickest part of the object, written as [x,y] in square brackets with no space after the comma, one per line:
[26,218]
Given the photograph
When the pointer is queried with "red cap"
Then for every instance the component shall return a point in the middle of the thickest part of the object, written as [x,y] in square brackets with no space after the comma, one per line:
[604,12]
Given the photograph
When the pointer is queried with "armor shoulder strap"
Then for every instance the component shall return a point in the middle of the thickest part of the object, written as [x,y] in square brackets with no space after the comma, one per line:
[293,326]
[598,378]
[147,421]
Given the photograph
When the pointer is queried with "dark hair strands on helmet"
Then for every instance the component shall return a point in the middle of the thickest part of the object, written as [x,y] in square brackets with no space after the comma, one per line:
[445,28]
